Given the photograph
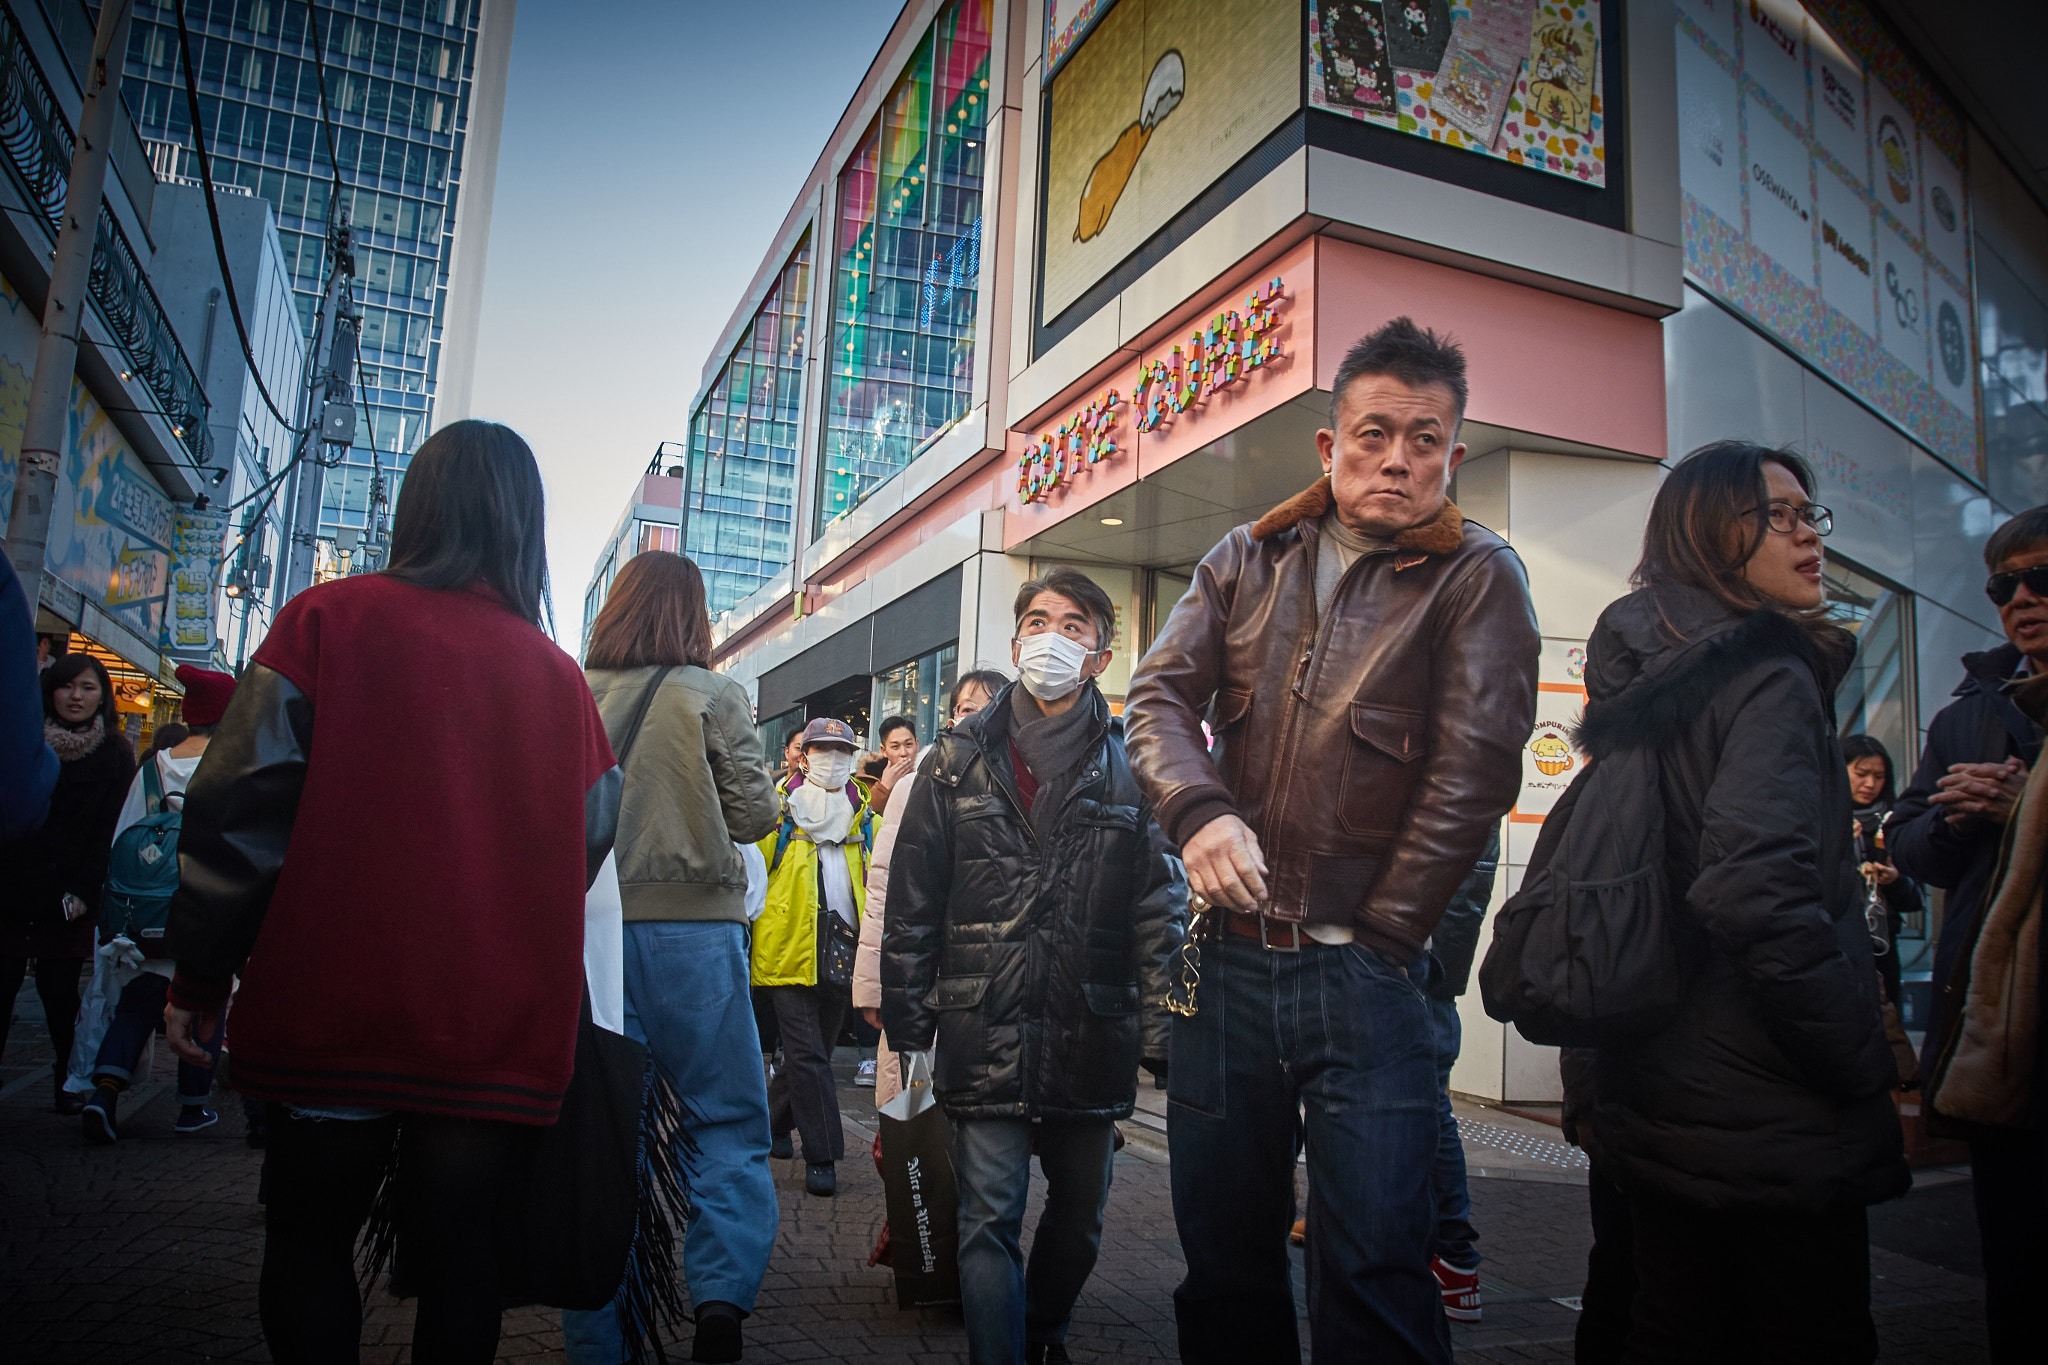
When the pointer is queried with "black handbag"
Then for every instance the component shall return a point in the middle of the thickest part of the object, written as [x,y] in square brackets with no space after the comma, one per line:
[837,944]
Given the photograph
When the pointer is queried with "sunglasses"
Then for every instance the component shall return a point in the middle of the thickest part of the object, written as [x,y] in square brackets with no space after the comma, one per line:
[2001,586]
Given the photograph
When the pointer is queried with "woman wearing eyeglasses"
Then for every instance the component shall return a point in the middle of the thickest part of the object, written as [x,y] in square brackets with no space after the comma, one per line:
[1750,1135]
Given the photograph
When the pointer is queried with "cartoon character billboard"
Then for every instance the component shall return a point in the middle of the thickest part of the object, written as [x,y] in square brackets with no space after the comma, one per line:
[1160,100]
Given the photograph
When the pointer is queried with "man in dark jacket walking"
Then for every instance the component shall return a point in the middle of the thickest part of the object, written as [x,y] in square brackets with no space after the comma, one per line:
[1033,910]
[1946,831]
[1367,660]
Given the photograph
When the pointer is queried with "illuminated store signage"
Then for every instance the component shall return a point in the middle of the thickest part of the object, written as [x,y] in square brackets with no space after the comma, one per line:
[1232,347]
[1087,437]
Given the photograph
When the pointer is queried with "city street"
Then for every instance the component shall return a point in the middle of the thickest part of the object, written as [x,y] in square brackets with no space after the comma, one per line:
[149,1251]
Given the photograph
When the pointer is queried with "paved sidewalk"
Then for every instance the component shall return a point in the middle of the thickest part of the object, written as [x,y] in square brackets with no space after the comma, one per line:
[149,1251]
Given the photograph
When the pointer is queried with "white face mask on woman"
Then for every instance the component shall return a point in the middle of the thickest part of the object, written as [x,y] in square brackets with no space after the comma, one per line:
[1049,664]
[829,768]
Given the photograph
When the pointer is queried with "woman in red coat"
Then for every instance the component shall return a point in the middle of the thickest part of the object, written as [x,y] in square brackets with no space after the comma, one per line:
[389,842]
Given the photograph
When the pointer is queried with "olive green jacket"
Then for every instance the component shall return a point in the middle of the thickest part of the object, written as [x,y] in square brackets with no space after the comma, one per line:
[696,785]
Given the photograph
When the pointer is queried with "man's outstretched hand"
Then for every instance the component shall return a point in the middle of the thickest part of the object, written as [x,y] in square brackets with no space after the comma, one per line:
[1225,866]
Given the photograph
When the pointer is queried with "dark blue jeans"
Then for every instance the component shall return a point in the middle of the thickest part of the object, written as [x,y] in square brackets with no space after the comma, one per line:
[1454,1232]
[1006,1302]
[136,1015]
[1346,1034]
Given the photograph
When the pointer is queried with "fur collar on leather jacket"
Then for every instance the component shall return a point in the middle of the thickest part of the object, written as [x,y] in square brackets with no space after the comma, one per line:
[1440,535]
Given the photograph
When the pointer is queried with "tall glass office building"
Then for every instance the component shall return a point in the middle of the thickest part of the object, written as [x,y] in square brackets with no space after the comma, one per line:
[416,89]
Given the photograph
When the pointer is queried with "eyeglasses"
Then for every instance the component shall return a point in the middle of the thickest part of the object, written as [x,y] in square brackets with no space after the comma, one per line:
[1785,517]
[2001,586]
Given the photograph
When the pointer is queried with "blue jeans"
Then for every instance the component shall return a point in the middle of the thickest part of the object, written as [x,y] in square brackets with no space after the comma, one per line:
[1005,1303]
[1345,1034]
[136,1015]
[687,999]
[1454,1232]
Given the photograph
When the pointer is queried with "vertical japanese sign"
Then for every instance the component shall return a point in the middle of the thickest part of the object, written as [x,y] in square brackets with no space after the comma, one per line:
[197,540]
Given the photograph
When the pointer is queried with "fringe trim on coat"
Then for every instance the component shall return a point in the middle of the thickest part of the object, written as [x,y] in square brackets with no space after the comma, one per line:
[1439,535]
[649,1302]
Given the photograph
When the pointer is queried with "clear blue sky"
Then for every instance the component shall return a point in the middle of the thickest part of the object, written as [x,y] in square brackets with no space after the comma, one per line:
[650,149]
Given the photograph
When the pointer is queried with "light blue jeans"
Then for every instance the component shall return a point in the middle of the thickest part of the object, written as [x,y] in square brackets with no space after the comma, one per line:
[687,999]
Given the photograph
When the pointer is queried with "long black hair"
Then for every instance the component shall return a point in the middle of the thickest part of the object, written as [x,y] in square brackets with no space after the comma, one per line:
[472,510]
[1868,746]
[60,673]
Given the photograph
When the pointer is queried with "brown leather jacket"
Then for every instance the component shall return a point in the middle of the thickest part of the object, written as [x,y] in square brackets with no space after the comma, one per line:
[1371,752]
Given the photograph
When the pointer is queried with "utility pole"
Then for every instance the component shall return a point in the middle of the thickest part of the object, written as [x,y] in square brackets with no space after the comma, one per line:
[329,412]
[49,395]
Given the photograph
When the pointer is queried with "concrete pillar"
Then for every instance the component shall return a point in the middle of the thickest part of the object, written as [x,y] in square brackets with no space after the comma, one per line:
[1577,522]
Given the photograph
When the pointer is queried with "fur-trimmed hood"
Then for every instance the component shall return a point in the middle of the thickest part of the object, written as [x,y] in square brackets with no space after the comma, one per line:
[1658,656]
[1439,535]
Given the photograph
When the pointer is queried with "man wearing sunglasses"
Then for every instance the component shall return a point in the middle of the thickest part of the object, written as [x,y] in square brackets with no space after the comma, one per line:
[1946,830]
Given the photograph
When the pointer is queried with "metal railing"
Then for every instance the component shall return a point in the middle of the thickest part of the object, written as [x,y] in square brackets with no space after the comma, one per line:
[37,145]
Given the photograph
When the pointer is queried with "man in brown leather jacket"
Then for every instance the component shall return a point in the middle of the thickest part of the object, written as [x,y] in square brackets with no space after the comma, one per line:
[1367,660]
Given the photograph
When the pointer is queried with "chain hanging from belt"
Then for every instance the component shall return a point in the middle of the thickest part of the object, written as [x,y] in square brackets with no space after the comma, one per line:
[1180,992]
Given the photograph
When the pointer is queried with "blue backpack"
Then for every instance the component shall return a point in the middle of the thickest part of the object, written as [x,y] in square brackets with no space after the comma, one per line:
[142,875]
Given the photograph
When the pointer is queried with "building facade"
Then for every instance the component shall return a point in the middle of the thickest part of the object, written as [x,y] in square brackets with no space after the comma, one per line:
[218,619]
[1093,267]
[653,520]
[135,540]
[416,89]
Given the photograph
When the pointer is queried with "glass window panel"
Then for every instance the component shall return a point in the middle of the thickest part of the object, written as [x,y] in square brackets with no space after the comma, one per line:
[908,261]
[743,468]
[1876,695]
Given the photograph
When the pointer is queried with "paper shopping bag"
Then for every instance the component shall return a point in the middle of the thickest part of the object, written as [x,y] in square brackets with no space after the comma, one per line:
[924,1200]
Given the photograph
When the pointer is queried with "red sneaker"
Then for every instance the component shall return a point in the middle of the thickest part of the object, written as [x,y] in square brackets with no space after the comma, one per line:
[1460,1290]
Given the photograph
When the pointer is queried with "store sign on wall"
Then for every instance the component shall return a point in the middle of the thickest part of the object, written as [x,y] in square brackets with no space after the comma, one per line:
[1231,348]
[1086,438]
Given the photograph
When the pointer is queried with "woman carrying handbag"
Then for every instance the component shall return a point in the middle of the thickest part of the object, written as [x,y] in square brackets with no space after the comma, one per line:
[695,783]
[390,843]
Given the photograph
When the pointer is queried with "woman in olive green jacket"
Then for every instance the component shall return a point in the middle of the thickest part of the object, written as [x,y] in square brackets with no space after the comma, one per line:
[695,784]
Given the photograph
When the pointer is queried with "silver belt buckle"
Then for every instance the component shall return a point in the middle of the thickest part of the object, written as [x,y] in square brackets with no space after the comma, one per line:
[1272,947]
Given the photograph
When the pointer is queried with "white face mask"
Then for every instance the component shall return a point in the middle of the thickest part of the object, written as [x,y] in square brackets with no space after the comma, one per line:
[829,768]
[1049,664]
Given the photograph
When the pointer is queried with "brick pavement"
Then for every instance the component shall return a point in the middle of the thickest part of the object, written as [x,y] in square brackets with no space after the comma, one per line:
[149,1251]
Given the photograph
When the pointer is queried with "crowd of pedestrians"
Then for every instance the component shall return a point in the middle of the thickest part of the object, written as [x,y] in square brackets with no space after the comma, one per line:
[1262,882]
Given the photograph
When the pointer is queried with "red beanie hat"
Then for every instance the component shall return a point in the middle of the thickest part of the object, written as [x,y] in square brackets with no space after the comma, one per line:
[206,694]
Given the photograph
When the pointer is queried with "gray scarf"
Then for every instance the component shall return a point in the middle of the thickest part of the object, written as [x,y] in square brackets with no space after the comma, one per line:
[1053,747]
[72,745]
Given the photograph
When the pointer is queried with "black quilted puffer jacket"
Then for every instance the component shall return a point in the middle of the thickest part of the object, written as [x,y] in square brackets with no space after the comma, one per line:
[1038,968]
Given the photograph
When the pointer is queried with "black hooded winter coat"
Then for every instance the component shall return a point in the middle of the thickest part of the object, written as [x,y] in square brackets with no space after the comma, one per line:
[1980,726]
[1771,1091]
[1039,967]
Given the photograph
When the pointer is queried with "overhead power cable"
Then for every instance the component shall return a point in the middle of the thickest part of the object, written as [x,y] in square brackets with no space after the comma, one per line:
[326,112]
[220,249]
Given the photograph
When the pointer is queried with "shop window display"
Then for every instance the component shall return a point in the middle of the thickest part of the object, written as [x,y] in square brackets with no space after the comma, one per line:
[908,265]
[917,689]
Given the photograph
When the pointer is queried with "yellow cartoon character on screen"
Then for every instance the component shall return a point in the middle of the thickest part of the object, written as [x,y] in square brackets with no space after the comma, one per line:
[1163,94]
[1560,76]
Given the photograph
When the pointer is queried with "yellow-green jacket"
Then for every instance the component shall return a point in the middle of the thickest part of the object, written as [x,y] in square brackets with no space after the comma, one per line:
[786,935]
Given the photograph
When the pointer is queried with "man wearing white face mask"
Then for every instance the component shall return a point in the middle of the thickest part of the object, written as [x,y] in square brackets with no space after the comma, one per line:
[805,939]
[1033,907]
